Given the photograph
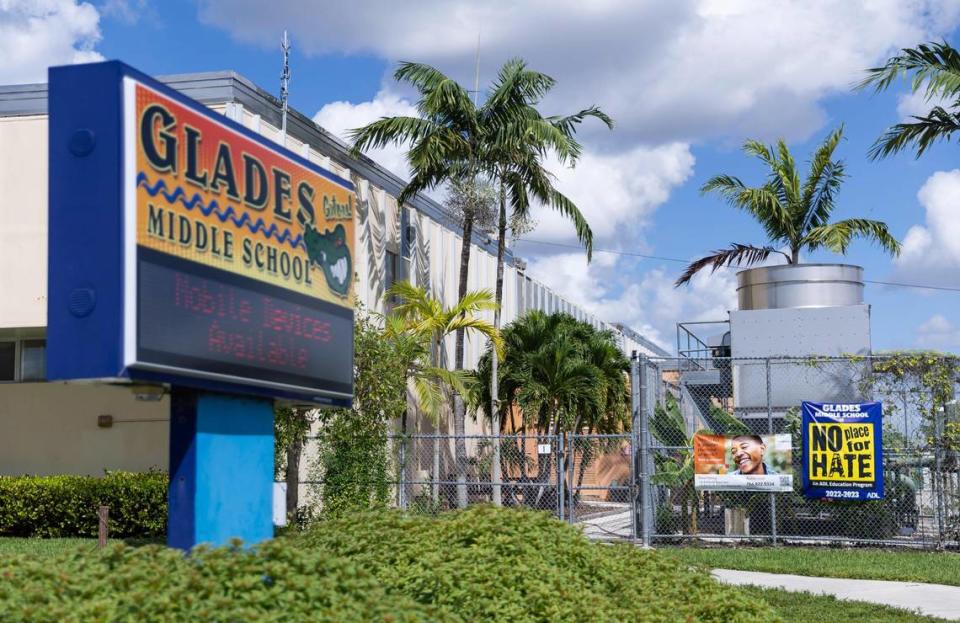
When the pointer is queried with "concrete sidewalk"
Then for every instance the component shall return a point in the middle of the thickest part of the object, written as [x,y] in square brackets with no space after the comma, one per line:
[929,599]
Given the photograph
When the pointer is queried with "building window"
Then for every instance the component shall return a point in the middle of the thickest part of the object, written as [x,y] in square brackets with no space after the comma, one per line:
[33,360]
[393,264]
[23,360]
[8,361]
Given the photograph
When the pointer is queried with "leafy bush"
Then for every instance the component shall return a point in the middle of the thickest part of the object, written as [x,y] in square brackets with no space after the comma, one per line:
[481,564]
[277,581]
[59,506]
[486,564]
[353,461]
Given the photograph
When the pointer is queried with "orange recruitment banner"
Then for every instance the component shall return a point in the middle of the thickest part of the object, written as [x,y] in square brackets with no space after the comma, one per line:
[742,462]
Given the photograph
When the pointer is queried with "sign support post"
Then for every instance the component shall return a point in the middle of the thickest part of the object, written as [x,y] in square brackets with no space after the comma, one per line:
[221,469]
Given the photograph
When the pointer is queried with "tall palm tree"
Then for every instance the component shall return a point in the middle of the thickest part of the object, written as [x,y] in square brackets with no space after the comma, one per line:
[935,68]
[794,213]
[423,323]
[504,140]
[524,139]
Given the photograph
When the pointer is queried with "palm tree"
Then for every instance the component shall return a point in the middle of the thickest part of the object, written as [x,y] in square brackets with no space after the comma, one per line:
[523,140]
[936,72]
[794,213]
[564,375]
[504,140]
[423,323]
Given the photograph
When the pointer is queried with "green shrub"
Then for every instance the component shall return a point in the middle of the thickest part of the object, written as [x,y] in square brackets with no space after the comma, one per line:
[62,506]
[487,564]
[481,564]
[275,582]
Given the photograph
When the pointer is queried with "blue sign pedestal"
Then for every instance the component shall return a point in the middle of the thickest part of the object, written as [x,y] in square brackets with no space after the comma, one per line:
[221,469]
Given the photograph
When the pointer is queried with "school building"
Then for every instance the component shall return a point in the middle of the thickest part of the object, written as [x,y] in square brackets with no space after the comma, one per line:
[56,428]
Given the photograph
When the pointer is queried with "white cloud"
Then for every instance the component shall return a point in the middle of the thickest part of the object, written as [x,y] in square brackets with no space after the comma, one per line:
[650,304]
[911,105]
[341,117]
[127,11]
[938,333]
[666,71]
[672,74]
[617,193]
[35,34]
[931,252]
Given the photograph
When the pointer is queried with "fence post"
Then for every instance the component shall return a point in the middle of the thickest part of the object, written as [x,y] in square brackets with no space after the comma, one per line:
[402,493]
[938,488]
[558,460]
[635,424]
[103,526]
[645,472]
[571,459]
[773,496]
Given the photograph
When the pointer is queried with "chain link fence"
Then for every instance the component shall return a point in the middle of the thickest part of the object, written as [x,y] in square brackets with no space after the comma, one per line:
[678,397]
[639,485]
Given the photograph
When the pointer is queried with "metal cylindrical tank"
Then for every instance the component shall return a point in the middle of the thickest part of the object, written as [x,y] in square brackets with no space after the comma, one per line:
[800,285]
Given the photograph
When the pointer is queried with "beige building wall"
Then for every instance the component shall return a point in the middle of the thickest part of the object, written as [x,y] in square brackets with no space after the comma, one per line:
[23,221]
[51,428]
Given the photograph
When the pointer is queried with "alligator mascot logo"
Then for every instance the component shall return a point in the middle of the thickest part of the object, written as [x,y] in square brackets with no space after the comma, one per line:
[328,250]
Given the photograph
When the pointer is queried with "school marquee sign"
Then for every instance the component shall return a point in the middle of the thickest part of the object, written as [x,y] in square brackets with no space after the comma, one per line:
[186,249]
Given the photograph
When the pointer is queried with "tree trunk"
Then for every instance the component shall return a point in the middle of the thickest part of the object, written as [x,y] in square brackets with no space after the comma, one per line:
[495,476]
[459,410]
[402,491]
[795,255]
[294,451]
[585,458]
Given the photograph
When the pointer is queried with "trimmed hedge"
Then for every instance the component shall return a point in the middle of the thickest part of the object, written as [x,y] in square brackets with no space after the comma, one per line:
[66,506]
[481,564]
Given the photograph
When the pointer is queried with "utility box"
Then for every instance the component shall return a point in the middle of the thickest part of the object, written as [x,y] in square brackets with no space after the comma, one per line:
[796,312]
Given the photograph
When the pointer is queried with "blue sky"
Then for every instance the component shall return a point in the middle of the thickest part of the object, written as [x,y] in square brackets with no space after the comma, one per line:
[687,82]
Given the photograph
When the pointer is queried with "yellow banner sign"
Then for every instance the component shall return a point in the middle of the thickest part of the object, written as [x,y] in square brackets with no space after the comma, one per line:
[841,451]
[212,195]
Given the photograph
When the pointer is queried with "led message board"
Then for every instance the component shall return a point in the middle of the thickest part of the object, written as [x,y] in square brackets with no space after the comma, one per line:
[235,254]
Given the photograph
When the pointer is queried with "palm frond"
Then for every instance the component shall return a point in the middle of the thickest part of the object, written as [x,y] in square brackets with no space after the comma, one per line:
[762,202]
[787,177]
[837,236]
[457,380]
[389,130]
[936,69]
[568,123]
[480,326]
[429,395]
[473,301]
[938,124]
[823,182]
[736,254]
[516,87]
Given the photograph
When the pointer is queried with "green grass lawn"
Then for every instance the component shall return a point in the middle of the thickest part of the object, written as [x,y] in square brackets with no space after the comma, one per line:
[867,564]
[49,547]
[808,608]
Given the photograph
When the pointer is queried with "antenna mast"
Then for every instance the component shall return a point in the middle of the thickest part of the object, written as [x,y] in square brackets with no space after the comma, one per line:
[284,85]
[476,74]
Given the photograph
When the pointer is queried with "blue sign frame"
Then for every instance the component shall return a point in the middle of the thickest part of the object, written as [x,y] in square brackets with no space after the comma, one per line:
[849,453]
[90,323]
